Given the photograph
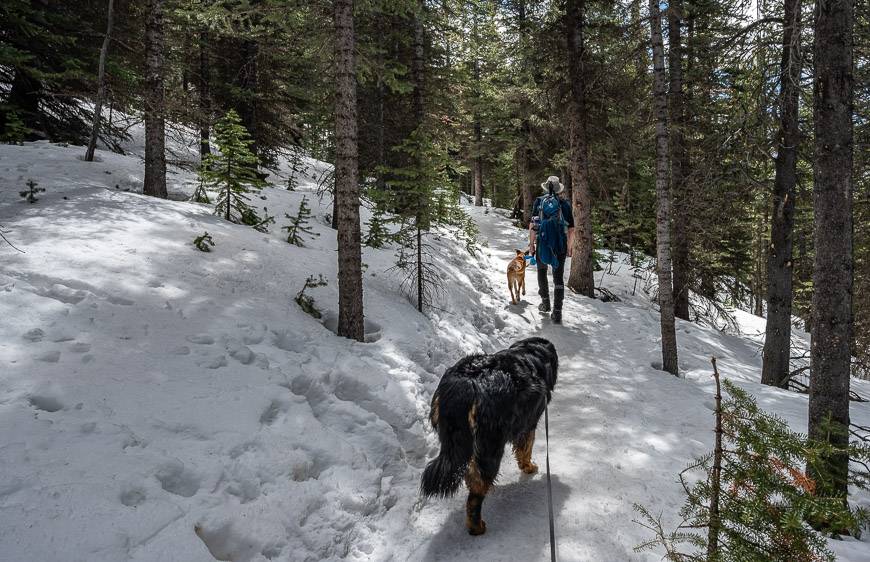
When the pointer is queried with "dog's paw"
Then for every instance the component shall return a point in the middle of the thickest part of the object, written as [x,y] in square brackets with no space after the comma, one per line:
[478,529]
[530,468]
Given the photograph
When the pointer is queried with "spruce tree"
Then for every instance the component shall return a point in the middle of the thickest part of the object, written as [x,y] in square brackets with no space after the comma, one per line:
[203,242]
[154,182]
[346,198]
[29,194]
[833,270]
[298,226]
[232,171]
[754,496]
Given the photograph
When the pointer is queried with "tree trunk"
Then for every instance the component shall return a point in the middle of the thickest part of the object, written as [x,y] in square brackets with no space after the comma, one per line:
[477,165]
[350,288]
[758,289]
[663,230]
[777,341]
[417,65]
[679,164]
[580,279]
[524,152]
[155,134]
[417,68]
[101,87]
[528,197]
[204,96]
[832,206]
[249,81]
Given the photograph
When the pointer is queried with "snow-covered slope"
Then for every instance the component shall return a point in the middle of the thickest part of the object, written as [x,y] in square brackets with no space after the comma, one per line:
[160,403]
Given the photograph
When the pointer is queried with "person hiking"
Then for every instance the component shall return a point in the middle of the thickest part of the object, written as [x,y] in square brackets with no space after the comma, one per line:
[551,233]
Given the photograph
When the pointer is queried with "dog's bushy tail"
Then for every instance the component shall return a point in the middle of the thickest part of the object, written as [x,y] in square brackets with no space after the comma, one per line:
[444,473]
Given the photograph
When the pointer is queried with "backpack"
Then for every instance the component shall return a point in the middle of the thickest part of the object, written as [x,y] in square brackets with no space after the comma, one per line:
[551,230]
[551,208]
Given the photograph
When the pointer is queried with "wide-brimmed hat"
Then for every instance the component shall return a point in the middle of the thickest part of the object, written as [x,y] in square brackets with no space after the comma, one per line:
[553,181]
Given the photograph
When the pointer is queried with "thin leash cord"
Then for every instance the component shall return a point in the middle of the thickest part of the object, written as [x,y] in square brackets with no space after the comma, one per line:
[549,486]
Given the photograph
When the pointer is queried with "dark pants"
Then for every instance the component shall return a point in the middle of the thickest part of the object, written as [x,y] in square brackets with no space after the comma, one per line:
[558,281]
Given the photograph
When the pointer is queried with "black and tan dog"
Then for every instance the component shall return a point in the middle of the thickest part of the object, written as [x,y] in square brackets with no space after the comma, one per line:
[516,276]
[481,404]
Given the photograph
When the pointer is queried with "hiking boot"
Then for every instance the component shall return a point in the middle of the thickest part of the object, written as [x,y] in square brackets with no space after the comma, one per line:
[556,316]
[558,297]
[544,306]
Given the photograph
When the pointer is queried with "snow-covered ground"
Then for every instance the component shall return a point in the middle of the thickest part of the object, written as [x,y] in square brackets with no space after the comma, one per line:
[158,403]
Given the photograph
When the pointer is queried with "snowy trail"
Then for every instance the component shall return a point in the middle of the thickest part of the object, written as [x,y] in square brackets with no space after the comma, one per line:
[620,430]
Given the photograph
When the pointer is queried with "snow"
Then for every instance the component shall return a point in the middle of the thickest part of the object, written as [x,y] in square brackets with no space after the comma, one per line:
[160,403]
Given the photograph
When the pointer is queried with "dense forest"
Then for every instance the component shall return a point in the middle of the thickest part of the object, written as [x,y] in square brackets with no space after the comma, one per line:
[728,139]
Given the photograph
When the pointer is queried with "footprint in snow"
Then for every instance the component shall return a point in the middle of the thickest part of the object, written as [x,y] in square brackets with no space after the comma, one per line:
[201,339]
[213,362]
[176,479]
[46,403]
[120,301]
[34,335]
[49,357]
[271,413]
[226,543]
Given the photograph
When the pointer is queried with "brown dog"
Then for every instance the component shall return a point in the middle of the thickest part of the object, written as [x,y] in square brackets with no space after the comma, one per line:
[516,274]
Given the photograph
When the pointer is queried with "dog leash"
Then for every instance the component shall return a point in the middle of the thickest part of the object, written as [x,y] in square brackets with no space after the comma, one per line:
[549,486]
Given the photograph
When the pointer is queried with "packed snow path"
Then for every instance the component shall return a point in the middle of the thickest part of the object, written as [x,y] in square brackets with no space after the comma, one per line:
[620,428]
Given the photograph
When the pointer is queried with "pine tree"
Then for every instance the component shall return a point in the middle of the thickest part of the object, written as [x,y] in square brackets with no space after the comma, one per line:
[350,287]
[306,302]
[155,110]
[203,242]
[377,233]
[298,226]
[29,194]
[679,161]
[13,130]
[754,496]
[232,171]
[832,205]
[663,199]
[777,340]
[580,279]
[101,86]
[45,55]
[425,201]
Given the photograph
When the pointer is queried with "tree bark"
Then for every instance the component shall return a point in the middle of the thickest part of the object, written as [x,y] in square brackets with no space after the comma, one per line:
[663,212]
[524,152]
[204,96]
[777,341]
[417,65]
[417,75]
[832,206]
[249,81]
[524,156]
[155,134]
[477,165]
[350,288]
[101,87]
[580,279]
[679,162]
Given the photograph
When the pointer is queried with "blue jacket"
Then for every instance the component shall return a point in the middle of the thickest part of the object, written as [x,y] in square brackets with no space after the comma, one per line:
[552,240]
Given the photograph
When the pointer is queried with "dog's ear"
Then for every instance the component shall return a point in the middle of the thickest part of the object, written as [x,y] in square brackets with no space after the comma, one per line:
[519,252]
